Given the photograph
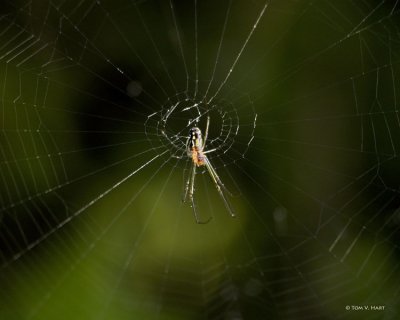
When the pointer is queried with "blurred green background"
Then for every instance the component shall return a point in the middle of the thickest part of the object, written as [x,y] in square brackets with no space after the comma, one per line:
[304,119]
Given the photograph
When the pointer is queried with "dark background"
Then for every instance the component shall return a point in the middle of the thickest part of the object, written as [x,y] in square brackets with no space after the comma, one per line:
[305,129]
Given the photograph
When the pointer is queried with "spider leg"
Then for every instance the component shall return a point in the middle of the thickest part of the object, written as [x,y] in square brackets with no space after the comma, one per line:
[219,185]
[215,177]
[188,184]
[206,132]
[196,215]
[209,151]
[189,195]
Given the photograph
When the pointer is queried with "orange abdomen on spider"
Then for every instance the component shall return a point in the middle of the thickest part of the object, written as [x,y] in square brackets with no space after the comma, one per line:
[198,157]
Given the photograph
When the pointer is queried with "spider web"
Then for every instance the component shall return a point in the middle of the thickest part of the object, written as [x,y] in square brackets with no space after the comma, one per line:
[97,99]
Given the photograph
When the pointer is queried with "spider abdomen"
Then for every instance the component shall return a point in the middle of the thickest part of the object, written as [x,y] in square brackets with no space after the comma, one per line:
[198,157]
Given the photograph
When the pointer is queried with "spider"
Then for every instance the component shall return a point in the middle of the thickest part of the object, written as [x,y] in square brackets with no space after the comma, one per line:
[195,146]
